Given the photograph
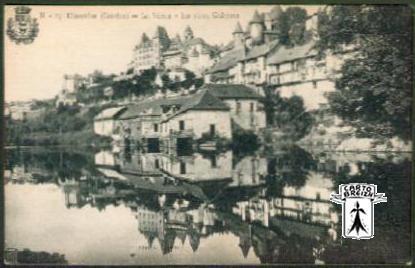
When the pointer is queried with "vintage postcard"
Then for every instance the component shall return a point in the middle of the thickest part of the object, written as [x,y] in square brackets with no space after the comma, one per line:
[208,134]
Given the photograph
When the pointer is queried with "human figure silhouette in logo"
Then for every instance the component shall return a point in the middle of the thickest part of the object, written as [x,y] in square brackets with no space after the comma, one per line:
[357,224]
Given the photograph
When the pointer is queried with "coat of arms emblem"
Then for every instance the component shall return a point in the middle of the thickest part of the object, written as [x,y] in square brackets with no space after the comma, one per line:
[22,28]
[357,200]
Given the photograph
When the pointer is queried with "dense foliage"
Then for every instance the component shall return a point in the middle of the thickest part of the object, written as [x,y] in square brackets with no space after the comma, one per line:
[374,91]
[61,125]
[287,114]
[291,25]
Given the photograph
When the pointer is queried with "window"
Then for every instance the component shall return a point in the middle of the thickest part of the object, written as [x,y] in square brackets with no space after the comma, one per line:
[156,127]
[181,125]
[251,107]
[156,163]
[182,168]
[213,162]
[293,66]
[318,196]
[212,130]
[314,84]
[238,107]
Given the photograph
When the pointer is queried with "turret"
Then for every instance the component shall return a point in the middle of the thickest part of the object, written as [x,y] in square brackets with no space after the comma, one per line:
[238,35]
[271,21]
[161,36]
[144,38]
[188,33]
[256,28]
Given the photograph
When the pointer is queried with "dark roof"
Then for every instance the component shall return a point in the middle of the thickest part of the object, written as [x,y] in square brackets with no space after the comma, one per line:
[228,46]
[231,91]
[160,30]
[238,28]
[149,107]
[256,18]
[275,12]
[172,52]
[284,54]
[229,60]
[187,44]
[261,50]
[202,100]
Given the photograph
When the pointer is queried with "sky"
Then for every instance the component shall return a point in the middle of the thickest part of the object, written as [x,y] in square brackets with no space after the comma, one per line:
[81,39]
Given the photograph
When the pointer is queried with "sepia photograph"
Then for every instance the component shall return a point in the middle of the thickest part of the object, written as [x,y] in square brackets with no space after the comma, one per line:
[250,134]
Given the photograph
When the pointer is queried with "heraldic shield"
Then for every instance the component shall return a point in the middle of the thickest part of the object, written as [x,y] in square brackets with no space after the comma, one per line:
[22,28]
[357,200]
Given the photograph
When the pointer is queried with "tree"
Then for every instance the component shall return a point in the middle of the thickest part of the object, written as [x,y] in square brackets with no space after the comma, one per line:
[98,76]
[291,25]
[373,93]
[287,114]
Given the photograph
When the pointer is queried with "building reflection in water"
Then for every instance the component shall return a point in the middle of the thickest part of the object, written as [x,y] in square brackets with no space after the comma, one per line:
[277,205]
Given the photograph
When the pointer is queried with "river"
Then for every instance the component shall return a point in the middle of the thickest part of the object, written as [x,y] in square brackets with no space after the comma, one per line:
[131,208]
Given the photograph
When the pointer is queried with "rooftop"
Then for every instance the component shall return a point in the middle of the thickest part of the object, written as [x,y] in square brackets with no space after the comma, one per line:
[202,100]
[238,28]
[284,54]
[149,107]
[231,91]
[109,113]
[261,50]
[275,12]
[257,18]
[229,60]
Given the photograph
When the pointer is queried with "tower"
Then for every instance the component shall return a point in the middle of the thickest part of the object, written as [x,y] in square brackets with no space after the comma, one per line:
[256,28]
[188,33]
[274,16]
[238,35]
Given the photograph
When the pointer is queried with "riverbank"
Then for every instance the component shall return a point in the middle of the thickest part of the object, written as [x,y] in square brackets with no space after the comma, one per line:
[85,138]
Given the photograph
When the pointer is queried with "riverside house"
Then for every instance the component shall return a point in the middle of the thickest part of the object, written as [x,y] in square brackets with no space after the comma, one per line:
[246,110]
[200,114]
[175,121]
[140,123]
[212,112]
[105,121]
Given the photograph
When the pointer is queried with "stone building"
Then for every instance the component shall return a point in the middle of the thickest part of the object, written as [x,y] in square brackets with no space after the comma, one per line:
[170,119]
[246,110]
[160,51]
[199,114]
[255,58]
[242,60]
[105,121]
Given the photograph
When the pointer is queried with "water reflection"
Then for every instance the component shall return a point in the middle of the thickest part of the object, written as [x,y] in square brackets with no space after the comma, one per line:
[267,207]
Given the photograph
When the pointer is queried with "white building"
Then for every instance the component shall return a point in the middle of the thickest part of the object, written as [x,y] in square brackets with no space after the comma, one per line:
[246,110]
[192,53]
[256,58]
[201,113]
[105,121]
